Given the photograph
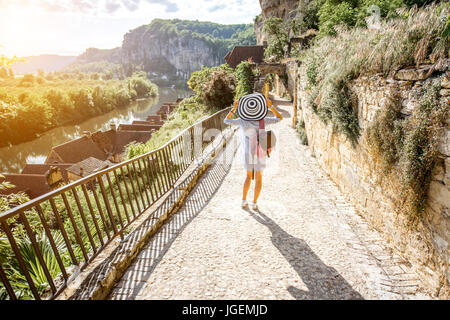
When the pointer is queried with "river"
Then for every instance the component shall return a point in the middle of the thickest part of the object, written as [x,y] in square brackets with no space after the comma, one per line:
[14,158]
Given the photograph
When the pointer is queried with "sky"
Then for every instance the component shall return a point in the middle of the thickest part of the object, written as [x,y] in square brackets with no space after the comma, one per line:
[68,27]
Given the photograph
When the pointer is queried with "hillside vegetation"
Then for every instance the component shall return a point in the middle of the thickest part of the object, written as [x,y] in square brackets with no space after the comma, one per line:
[407,146]
[214,89]
[330,16]
[35,104]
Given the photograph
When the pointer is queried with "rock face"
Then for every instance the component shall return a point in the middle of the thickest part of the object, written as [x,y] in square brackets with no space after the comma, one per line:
[284,9]
[170,55]
[172,48]
[260,35]
[355,170]
[278,8]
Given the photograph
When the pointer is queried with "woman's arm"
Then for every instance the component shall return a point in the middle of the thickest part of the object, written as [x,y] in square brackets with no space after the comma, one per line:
[230,114]
[228,119]
[275,111]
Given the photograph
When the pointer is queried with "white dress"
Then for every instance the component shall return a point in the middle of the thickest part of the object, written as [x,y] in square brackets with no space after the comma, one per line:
[248,131]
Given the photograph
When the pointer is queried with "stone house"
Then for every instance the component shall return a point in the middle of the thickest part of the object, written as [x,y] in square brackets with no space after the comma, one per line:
[86,167]
[155,120]
[34,185]
[75,151]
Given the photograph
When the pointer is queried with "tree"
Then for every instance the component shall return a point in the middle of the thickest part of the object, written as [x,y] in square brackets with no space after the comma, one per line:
[218,91]
[243,76]
[278,38]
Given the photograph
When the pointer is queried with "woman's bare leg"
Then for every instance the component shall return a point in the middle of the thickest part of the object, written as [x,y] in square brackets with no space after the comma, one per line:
[247,183]
[258,185]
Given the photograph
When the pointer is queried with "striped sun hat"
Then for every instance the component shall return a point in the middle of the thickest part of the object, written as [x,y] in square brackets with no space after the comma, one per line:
[252,107]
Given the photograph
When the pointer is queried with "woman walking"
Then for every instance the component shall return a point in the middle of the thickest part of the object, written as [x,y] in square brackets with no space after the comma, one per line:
[251,111]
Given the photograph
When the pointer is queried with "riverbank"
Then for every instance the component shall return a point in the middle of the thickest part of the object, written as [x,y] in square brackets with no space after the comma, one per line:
[33,105]
[13,158]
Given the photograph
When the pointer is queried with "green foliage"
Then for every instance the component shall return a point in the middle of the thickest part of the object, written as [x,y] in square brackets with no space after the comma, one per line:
[244,75]
[278,38]
[336,106]
[9,201]
[408,148]
[203,83]
[336,12]
[334,61]
[420,148]
[142,86]
[326,15]
[309,13]
[31,105]
[219,90]
[311,73]
[246,37]
[302,132]
[446,32]
[213,88]
[385,135]
[112,69]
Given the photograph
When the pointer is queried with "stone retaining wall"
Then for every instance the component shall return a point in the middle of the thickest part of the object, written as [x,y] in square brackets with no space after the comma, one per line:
[354,170]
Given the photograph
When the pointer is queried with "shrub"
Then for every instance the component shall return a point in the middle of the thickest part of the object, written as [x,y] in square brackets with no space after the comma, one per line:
[40,80]
[408,148]
[336,106]
[302,132]
[420,152]
[122,98]
[385,135]
[308,14]
[62,105]
[333,61]
[336,12]
[214,89]
[244,75]
[142,86]
[219,90]
[278,38]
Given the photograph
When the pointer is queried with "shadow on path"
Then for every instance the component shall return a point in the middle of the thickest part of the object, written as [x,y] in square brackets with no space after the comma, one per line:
[135,278]
[323,282]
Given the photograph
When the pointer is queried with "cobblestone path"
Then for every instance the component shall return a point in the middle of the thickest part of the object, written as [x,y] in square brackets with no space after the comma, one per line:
[305,242]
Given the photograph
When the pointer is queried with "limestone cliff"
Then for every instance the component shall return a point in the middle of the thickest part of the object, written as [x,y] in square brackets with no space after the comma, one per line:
[284,9]
[175,54]
[173,47]
[278,8]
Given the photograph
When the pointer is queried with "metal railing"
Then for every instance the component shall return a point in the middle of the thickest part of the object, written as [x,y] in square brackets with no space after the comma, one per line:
[45,242]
